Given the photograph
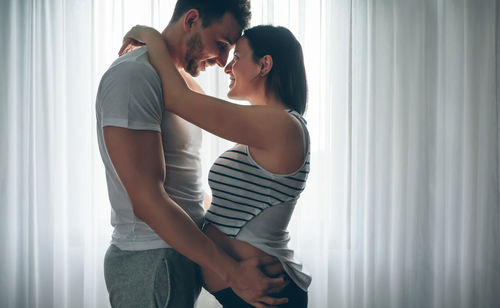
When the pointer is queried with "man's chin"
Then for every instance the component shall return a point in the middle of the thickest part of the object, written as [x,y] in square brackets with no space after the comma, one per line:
[192,69]
[195,72]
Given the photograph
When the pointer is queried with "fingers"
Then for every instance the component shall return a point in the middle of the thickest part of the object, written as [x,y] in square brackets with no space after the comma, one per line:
[126,49]
[273,270]
[267,260]
[130,40]
[276,284]
[125,44]
[279,288]
[269,302]
[140,34]
[259,305]
[260,261]
[132,34]
[129,44]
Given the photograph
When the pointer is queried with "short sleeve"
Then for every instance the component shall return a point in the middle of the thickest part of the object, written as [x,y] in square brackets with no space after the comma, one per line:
[130,96]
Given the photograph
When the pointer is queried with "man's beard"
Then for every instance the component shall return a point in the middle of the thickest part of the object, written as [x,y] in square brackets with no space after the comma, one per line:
[194,49]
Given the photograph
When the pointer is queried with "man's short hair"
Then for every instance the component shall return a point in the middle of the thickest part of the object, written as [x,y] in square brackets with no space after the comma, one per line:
[213,10]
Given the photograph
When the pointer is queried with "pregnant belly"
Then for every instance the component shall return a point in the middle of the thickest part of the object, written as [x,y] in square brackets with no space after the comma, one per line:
[237,249]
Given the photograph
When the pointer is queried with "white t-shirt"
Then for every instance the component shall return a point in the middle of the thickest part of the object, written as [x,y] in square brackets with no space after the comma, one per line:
[130,96]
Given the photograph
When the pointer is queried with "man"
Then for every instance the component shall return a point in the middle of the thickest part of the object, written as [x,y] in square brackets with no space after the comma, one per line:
[153,170]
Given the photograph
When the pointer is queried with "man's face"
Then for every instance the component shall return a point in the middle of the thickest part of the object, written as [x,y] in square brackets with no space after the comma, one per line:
[211,45]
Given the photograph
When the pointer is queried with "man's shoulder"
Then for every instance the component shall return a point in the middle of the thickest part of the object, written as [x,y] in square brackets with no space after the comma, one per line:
[135,65]
[131,81]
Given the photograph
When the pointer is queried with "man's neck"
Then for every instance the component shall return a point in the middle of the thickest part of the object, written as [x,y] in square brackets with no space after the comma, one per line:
[173,37]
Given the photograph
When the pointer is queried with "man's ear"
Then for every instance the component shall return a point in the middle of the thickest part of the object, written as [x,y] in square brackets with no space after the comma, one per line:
[191,17]
[266,64]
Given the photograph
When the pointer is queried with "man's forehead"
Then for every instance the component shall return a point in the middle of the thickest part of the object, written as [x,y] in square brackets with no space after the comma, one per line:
[231,39]
[228,28]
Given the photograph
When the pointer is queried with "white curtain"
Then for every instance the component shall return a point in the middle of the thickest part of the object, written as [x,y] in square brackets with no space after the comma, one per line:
[424,198]
[403,202]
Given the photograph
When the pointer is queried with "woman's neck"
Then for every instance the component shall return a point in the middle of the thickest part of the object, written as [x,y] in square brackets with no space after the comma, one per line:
[267,100]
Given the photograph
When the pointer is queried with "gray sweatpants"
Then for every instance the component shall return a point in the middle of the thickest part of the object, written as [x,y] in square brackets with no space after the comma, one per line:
[157,278]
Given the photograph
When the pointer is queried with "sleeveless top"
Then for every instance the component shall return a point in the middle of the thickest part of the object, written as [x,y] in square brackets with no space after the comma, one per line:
[254,205]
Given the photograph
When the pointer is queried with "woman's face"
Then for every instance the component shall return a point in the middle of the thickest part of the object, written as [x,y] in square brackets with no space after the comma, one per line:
[243,71]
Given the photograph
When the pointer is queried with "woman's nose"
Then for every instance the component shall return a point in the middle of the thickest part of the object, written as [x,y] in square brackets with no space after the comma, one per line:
[228,67]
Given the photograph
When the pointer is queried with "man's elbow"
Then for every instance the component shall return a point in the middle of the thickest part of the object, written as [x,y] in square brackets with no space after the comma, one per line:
[148,197]
[141,211]
[143,207]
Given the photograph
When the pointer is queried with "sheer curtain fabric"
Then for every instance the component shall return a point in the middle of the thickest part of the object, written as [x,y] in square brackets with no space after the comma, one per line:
[402,205]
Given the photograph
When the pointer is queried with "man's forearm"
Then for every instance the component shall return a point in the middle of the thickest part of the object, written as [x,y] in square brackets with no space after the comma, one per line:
[138,159]
[176,228]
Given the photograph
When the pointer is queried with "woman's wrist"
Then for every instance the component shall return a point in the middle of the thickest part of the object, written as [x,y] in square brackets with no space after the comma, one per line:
[150,35]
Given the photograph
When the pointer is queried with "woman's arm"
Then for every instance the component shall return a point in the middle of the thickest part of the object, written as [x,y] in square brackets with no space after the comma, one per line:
[261,127]
[192,84]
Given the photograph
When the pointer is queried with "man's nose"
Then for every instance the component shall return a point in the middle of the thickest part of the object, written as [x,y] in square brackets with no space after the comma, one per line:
[222,59]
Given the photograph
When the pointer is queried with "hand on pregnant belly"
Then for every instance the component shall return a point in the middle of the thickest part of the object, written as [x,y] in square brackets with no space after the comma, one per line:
[258,297]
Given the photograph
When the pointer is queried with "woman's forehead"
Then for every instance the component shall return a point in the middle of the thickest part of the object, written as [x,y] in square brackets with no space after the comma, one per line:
[242,43]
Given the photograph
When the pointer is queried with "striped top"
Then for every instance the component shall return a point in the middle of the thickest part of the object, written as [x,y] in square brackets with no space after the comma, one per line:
[254,205]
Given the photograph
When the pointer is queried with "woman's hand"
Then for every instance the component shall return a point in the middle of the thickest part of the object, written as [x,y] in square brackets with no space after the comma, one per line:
[174,86]
[138,36]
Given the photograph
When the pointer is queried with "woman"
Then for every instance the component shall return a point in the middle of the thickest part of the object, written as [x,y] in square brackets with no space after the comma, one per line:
[255,184]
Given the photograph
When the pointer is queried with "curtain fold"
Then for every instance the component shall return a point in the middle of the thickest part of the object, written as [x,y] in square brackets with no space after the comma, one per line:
[425,181]
[402,205]
[53,231]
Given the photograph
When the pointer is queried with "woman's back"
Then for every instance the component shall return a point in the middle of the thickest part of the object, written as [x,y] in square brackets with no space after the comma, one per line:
[253,206]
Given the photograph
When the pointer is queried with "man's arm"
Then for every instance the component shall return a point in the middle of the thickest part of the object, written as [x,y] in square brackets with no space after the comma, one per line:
[137,157]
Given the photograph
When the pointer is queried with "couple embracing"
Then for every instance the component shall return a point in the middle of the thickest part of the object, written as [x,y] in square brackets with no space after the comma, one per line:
[150,113]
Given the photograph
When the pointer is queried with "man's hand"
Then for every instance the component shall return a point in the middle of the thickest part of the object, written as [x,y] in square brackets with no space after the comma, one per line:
[273,269]
[254,287]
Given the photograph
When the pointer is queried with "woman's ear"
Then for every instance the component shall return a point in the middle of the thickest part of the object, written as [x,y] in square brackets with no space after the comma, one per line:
[266,64]
[191,17]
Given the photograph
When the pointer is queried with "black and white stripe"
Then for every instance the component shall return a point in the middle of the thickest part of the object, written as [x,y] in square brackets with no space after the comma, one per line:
[241,189]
